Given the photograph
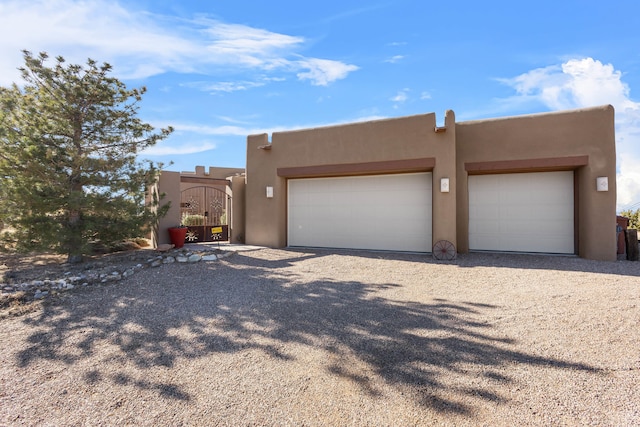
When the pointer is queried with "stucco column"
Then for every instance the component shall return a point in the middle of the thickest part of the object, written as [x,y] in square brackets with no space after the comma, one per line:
[238,212]
[265,216]
[169,185]
[444,203]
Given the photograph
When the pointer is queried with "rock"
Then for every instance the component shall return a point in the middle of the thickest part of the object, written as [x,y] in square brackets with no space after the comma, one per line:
[182,258]
[169,260]
[40,294]
[194,258]
[164,247]
[210,258]
[156,263]
[128,273]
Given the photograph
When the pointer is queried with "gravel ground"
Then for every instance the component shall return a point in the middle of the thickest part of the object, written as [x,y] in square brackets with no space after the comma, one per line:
[313,337]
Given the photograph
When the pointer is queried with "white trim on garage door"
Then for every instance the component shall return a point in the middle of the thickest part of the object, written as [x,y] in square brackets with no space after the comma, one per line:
[380,212]
[525,212]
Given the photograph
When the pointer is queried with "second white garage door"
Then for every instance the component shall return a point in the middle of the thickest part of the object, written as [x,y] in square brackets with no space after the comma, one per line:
[380,212]
[526,212]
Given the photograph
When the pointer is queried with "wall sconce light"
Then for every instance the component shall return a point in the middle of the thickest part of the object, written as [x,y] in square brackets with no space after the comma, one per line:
[269,192]
[602,183]
[444,185]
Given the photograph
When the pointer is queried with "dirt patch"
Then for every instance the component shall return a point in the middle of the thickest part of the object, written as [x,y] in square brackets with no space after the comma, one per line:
[18,268]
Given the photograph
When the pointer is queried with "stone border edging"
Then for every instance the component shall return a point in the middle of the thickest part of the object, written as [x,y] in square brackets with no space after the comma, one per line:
[41,289]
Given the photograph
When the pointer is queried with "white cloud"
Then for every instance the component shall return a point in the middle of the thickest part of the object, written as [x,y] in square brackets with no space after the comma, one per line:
[232,120]
[587,82]
[215,130]
[166,150]
[243,131]
[321,72]
[401,96]
[224,86]
[394,59]
[425,95]
[140,45]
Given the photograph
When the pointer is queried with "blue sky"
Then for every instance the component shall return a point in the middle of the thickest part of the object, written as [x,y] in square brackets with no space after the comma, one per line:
[218,71]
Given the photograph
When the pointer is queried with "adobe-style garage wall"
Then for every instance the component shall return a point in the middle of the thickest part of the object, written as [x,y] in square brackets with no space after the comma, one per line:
[580,140]
[403,145]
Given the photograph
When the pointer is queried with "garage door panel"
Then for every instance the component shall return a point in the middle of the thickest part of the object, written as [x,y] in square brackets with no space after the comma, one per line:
[483,240]
[529,212]
[386,212]
[487,212]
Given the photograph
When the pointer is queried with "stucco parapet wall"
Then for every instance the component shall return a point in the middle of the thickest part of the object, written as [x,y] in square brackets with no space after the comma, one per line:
[562,134]
[534,116]
[213,172]
[261,141]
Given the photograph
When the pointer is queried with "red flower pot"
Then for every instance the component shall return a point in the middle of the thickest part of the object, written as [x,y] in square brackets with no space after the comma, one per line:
[177,236]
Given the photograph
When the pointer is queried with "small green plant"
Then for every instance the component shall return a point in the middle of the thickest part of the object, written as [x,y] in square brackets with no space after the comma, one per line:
[192,219]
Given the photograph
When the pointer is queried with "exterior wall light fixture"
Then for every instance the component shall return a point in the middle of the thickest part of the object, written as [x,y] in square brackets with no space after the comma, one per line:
[444,185]
[269,192]
[602,183]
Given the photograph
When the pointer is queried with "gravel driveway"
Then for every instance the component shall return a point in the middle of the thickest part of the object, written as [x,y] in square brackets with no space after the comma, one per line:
[313,337]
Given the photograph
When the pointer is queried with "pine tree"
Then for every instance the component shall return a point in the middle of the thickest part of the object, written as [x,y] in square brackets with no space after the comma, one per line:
[68,170]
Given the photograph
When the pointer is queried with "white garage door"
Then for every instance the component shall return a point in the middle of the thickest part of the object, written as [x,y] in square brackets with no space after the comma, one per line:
[526,212]
[385,212]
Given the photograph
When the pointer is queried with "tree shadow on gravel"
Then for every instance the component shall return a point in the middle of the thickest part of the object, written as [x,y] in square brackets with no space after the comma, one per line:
[247,303]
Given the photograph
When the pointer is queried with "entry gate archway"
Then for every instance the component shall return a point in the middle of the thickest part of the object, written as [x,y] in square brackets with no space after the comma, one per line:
[205,211]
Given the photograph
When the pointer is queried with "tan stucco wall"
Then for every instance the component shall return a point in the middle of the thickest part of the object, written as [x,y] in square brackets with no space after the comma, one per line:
[589,132]
[377,141]
[169,184]
[238,212]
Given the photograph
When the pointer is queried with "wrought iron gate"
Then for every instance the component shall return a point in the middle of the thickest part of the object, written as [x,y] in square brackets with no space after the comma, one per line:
[206,212]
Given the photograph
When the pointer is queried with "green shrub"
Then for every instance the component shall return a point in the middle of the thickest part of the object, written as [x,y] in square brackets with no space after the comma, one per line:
[191,219]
